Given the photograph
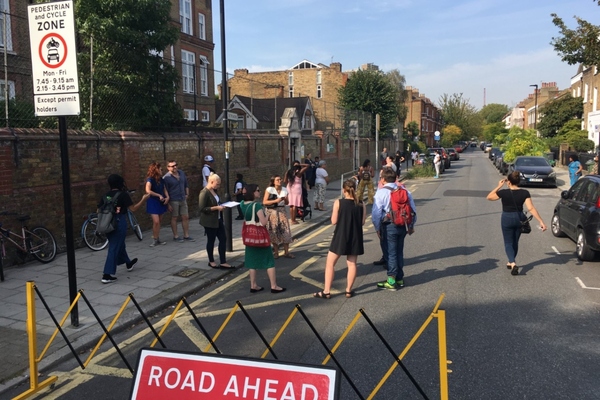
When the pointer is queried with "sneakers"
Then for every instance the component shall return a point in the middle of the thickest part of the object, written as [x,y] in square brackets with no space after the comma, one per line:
[189,239]
[178,239]
[156,242]
[390,284]
[108,279]
[400,284]
[130,264]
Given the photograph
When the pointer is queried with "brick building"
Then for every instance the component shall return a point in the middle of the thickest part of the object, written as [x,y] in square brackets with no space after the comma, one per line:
[421,110]
[547,92]
[585,85]
[15,42]
[305,79]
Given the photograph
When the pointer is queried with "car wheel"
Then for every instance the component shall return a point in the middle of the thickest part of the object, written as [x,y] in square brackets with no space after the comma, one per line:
[555,226]
[584,253]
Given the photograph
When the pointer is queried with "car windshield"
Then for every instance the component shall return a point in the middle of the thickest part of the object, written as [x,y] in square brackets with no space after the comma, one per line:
[532,162]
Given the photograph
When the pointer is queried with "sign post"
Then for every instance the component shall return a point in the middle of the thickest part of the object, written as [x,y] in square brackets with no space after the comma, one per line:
[56,93]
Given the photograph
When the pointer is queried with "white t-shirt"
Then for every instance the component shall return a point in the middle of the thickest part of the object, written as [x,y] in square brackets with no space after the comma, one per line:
[205,172]
[321,174]
[238,188]
[436,159]
[282,194]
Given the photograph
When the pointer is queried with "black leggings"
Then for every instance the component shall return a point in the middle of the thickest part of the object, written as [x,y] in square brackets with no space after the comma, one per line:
[211,235]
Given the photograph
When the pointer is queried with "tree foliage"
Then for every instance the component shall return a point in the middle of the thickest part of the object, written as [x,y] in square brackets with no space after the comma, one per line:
[457,110]
[577,46]
[577,138]
[492,131]
[493,112]
[523,142]
[131,79]
[412,129]
[450,135]
[555,114]
[399,82]
[373,92]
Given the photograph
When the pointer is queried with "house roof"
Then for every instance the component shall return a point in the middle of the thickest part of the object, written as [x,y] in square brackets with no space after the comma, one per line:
[264,109]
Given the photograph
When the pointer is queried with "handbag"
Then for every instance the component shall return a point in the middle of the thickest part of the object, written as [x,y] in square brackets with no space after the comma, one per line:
[525,225]
[254,234]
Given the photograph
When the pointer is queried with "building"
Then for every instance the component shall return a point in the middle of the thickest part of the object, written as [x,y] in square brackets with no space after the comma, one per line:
[15,43]
[547,92]
[192,56]
[421,110]
[318,82]
[585,85]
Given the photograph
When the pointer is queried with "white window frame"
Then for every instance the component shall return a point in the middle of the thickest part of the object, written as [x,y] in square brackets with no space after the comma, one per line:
[585,93]
[190,115]
[205,116]
[4,6]
[319,77]
[11,89]
[201,26]
[185,16]
[203,75]
[188,63]
[290,78]
[319,92]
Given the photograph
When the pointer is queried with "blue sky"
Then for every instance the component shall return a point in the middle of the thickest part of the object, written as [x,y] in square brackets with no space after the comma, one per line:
[440,46]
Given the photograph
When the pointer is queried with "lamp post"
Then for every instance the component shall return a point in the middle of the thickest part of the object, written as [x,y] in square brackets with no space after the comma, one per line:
[227,213]
[535,109]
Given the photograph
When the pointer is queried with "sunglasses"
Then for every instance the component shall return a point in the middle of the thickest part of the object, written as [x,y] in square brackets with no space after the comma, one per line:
[172,166]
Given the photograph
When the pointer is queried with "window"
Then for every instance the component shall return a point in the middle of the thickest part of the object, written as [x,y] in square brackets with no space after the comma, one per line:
[585,93]
[190,115]
[11,89]
[203,75]
[205,116]
[307,121]
[291,91]
[290,78]
[595,100]
[319,92]
[5,42]
[188,63]
[201,26]
[185,16]
[319,77]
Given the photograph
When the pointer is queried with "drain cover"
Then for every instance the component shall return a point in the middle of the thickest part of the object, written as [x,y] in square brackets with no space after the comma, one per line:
[187,272]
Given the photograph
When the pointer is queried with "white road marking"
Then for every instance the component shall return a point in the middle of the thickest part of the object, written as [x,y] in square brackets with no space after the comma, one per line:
[583,284]
[555,250]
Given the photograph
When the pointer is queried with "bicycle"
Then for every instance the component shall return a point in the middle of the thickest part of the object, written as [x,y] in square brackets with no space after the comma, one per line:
[98,241]
[38,242]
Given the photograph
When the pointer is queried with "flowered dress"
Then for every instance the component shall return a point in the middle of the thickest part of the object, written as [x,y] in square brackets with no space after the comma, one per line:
[278,224]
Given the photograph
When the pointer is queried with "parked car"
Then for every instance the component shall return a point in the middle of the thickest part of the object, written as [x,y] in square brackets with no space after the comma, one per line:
[487,147]
[533,171]
[445,156]
[453,154]
[501,164]
[493,153]
[577,215]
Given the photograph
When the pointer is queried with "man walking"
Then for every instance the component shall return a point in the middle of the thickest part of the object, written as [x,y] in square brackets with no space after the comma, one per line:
[382,157]
[177,187]
[394,234]
[207,169]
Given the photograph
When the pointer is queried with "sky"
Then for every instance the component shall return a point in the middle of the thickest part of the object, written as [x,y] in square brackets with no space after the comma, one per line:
[488,50]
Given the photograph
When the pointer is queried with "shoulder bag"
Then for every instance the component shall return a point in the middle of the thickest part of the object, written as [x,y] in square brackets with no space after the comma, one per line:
[525,225]
[254,234]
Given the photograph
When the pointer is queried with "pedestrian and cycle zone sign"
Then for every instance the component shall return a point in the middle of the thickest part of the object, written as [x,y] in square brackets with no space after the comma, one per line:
[54,58]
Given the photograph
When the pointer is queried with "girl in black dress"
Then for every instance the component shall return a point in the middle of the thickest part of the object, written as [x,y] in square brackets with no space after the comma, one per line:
[348,216]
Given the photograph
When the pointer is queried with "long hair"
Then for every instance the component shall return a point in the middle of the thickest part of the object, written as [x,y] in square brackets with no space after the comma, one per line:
[350,188]
[250,189]
[154,171]
[272,180]
[366,163]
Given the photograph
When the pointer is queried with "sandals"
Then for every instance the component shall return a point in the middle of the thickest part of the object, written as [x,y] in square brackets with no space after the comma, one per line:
[514,270]
[322,295]
[289,255]
[350,294]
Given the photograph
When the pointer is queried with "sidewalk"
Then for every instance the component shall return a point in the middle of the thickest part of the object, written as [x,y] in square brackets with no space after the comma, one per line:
[161,277]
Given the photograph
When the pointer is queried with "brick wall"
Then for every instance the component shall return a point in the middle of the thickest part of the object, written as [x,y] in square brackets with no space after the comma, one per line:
[30,167]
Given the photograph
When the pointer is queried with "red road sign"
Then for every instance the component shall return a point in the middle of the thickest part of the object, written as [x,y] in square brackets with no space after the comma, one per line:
[165,374]
[43,50]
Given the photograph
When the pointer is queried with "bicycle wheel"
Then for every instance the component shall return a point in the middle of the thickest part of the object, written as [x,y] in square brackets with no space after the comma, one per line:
[135,225]
[42,244]
[94,240]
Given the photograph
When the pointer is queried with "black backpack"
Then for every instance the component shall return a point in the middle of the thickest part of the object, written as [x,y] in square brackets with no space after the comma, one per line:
[106,214]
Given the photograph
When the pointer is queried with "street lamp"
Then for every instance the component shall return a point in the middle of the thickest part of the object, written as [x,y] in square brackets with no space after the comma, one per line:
[535,110]
[227,213]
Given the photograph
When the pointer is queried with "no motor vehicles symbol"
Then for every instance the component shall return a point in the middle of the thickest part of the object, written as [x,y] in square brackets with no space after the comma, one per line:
[52,50]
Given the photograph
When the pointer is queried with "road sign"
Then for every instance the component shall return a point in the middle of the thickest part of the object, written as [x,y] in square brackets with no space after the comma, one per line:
[54,58]
[436,135]
[163,374]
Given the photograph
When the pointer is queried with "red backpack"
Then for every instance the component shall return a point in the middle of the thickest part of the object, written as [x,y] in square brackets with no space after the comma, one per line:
[400,211]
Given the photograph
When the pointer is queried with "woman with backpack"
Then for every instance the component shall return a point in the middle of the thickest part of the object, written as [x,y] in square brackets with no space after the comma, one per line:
[365,179]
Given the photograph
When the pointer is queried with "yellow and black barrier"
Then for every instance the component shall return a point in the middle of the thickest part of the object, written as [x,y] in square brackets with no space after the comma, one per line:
[34,360]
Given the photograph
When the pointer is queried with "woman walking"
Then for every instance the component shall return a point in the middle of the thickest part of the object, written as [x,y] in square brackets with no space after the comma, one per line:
[158,200]
[294,179]
[258,257]
[437,163]
[513,199]
[211,218]
[348,216]
[275,199]
[321,181]
[575,168]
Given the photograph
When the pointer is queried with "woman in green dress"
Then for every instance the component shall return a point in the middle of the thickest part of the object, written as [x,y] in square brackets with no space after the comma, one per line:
[258,257]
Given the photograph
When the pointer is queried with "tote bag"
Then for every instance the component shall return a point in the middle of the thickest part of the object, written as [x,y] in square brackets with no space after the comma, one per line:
[253,233]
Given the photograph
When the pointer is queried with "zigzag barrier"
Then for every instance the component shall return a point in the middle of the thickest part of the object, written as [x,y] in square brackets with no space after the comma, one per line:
[34,360]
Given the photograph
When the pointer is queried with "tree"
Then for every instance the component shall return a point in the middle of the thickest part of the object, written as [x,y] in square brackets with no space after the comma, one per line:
[399,82]
[523,142]
[491,132]
[577,138]
[450,135]
[557,113]
[493,112]
[579,46]
[373,92]
[132,82]
[457,111]
[412,129]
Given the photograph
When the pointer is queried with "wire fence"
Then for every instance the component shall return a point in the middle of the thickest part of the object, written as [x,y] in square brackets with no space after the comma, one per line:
[120,90]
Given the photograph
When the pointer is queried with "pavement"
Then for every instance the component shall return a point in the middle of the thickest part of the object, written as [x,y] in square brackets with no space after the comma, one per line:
[163,275]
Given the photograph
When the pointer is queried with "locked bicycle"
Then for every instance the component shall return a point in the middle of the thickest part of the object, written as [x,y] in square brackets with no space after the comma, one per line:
[98,241]
[38,242]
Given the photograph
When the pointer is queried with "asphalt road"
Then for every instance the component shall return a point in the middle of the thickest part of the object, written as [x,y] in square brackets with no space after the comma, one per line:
[532,336]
